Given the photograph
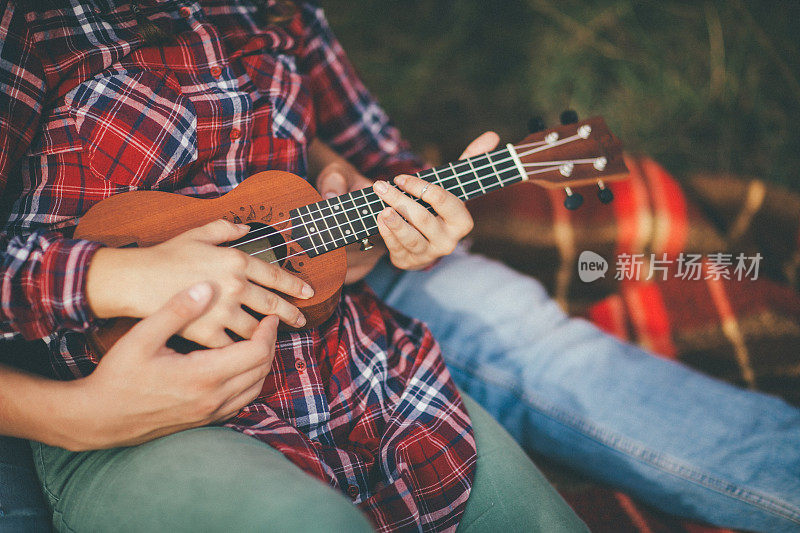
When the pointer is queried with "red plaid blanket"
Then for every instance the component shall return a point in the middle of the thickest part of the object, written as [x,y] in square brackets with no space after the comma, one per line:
[744,331]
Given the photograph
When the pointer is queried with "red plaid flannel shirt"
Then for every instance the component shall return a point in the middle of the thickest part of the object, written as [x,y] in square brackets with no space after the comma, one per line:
[363,402]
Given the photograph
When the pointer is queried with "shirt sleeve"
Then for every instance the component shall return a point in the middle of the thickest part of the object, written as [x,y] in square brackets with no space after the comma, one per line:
[43,274]
[349,119]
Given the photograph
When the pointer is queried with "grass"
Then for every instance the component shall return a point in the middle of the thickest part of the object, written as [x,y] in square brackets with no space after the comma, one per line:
[704,85]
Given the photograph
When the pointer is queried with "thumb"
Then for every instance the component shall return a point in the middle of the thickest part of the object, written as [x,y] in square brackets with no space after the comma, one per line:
[267,331]
[485,142]
[154,331]
[331,183]
[217,232]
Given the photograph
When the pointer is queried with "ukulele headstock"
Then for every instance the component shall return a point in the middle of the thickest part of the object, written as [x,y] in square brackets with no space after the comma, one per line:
[572,155]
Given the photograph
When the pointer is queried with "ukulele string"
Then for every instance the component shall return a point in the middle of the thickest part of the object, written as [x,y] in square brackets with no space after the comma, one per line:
[361,219]
[573,161]
[539,146]
[357,207]
[367,227]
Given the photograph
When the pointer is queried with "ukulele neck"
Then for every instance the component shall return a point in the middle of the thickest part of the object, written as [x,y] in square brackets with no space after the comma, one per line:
[329,224]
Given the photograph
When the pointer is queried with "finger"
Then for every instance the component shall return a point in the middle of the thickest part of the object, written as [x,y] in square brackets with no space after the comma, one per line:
[446,204]
[242,324]
[245,387]
[266,335]
[210,339]
[268,303]
[241,357]
[408,237]
[153,332]
[393,245]
[238,384]
[331,182]
[482,144]
[273,277]
[231,407]
[413,212]
[217,232]
[359,182]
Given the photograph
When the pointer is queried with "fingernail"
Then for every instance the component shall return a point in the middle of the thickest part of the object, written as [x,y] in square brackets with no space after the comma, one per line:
[307,291]
[200,293]
[381,186]
[400,180]
[328,195]
[243,226]
[300,322]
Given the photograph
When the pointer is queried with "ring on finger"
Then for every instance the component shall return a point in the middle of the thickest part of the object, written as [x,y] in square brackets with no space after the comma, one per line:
[424,189]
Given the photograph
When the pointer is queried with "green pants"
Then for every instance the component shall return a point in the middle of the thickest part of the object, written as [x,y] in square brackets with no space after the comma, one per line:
[216,479]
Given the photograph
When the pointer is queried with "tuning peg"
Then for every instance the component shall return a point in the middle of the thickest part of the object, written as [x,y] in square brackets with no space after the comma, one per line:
[536,124]
[366,245]
[573,200]
[569,116]
[605,195]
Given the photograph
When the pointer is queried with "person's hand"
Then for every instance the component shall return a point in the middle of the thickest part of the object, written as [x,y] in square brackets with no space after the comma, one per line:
[136,282]
[415,237]
[338,177]
[141,390]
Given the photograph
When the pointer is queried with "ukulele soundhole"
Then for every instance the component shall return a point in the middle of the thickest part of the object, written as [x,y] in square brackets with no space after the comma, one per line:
[263,242]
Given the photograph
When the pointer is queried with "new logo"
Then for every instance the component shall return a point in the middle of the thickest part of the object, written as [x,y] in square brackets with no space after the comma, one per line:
[591,266]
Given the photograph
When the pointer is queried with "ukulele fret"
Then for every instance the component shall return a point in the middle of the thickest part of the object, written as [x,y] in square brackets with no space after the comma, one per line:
[447,178]
[369,208]
[350,210]
[305,232]
[474,185]
[460,183]
[343,222]
[325,218]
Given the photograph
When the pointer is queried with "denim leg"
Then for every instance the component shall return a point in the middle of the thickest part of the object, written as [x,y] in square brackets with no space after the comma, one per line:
[22,507]
[678,440]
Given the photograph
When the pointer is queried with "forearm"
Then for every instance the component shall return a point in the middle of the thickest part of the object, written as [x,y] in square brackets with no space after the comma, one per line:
[33,407]
[341,176]
[320,155]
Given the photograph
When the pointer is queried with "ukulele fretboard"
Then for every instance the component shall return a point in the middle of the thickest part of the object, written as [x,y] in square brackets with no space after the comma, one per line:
[350,218]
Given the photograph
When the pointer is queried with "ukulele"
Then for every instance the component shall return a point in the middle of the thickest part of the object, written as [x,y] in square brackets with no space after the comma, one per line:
[293,227]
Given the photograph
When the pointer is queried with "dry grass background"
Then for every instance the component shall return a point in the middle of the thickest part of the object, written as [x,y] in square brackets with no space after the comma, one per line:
[703,85]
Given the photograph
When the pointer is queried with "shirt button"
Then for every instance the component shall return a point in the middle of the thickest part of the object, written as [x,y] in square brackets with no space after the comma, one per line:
[300,365]
[235,134]
[352,491]
[186,12]
[216,71]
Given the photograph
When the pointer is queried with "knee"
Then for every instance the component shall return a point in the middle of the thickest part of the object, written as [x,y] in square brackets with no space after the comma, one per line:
[207,479]
[508,495]
[509,492]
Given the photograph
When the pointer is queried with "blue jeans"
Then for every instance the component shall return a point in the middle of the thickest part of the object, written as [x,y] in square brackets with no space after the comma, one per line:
[22,507]
[680,441]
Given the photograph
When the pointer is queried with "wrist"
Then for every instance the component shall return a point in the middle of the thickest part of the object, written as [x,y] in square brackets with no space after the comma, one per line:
[37,408]
[70,418]
[110,282]
[359,263]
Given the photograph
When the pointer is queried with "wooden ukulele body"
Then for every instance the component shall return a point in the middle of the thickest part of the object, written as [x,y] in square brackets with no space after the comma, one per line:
[147,218]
